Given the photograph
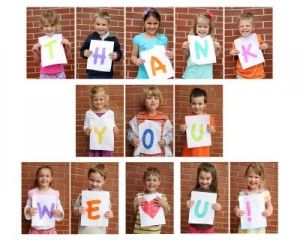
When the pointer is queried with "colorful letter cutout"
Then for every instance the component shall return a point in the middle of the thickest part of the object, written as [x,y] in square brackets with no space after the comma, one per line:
[151,214]
[52,50]
[253,206]
[96,203]
[157,64]
[196,131]
[201,212]
[249,52]
[100,60]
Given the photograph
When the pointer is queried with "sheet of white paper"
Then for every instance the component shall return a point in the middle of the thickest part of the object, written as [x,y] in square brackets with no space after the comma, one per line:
[201,212]
[196,131]
[97,203]
[100,60]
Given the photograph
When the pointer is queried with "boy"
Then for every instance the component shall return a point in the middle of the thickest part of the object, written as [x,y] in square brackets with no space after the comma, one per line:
[246,27]
[151,180]
[101,22]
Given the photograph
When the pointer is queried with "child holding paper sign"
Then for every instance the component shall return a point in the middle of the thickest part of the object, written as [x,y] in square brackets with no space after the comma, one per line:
[198,102]
[101,23]
[160,140]
[148,40]
[96,179]
[42,183]
[151,180]
[99,112]
[206,182]
[203,26]
[50,24]
[246,28]
[255,176]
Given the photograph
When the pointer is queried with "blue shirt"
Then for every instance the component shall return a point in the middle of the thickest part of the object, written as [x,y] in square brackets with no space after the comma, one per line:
[194,71]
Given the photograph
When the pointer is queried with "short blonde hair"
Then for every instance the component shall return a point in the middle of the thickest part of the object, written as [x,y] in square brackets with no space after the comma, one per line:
[245,16]
[50,17]
[102,14]
[99,168]
[98,89]
[152,92]
[151,171]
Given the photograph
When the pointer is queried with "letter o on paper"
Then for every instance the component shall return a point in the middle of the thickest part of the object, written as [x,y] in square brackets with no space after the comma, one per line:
[150,144]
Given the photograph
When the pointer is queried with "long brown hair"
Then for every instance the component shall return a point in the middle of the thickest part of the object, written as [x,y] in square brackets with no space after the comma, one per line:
[208,167]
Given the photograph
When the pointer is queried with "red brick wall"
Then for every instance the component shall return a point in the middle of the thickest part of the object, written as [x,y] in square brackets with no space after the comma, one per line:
[135,184]
[79,182]
[85,26]
[263,20]
[188,182]
[116,104]
[134,105]
[34,31]
[60,182]
[239,182]
[184,22]
[134,26]
[214,107]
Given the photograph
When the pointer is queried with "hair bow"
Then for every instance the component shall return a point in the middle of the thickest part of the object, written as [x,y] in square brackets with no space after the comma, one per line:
[147,10]
[210,15]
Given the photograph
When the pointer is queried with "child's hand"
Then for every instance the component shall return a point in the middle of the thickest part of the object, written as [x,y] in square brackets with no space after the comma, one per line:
[66,42]
[140,201]
[217,46]
[82,210]
[267,213]
[169,54]
[139,62]
[116,131]
[160,202]
[87,53]
[162,143]
[189,203]
[234,52]
[113,55]
[238,212]
[185,45]
[36,48]
[87,131]
[216,206]
[264,46]
[31,211]
[211,128]
[135,142]
[56,213]
[109,214]
[183,128]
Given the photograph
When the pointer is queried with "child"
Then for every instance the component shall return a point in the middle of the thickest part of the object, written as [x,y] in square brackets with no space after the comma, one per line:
[151,98]
[202,27]
[99,102]
[151,180]
[96,179]
[246,27]
[42,186]
[198,102]
[50,24]
[255,176]
[206,182]
[147,40]
[101,24]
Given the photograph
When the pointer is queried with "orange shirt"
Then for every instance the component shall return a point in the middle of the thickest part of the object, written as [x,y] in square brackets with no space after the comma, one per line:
[254,72]
[198,151]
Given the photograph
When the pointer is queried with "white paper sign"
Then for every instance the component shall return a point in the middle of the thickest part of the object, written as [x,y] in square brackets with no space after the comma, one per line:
[202,50]
[150,135]
[196,131]
[52,50]
[157,64]
[150,213]
[201,212]
[45,206]
[253,205]
[102,134]
[97,204]
[249,52]
[100,60]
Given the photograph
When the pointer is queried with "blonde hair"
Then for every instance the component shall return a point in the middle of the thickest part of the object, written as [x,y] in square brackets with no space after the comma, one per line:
[102,14]
[245,16]
[205,16]
[50,17]
[257,168]
[99,168]
[151,171]
[98,89]
[152,92]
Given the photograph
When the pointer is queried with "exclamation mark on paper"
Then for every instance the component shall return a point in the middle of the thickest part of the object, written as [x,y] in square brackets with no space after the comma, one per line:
[248,211]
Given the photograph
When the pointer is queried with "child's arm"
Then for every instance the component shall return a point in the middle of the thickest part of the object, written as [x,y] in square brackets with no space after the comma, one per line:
[238,212]
[218,48]
[67,45]
[169,53]
[211,128]
[86,125]
[84,50]
[234,51]
[269,209]
[217,207]
[162,201]
[58,213]
[117,54]
[189,203]
[132,136]
[183,129]
[136,203]
[134,53]
[36,52]
[167,134]
[185,48]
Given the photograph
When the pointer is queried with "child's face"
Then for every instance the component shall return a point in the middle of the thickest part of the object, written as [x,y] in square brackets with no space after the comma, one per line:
[254,181]
[99,101]
[205,179]
[44,178]
[152,103]
[245,27]
[152,183]
[151,26]
[49,29]
[202,27]
[101,26]
[96,181]
[198,105]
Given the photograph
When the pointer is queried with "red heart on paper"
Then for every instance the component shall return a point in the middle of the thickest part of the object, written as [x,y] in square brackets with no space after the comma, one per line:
[150,208]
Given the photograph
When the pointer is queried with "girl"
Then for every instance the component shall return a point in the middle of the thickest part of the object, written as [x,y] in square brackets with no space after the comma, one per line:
[255,176]
[42,183]
[206,182]
[49,22]
[152,98]
[147,40]
[96,179]
[202,27]
[99,101]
